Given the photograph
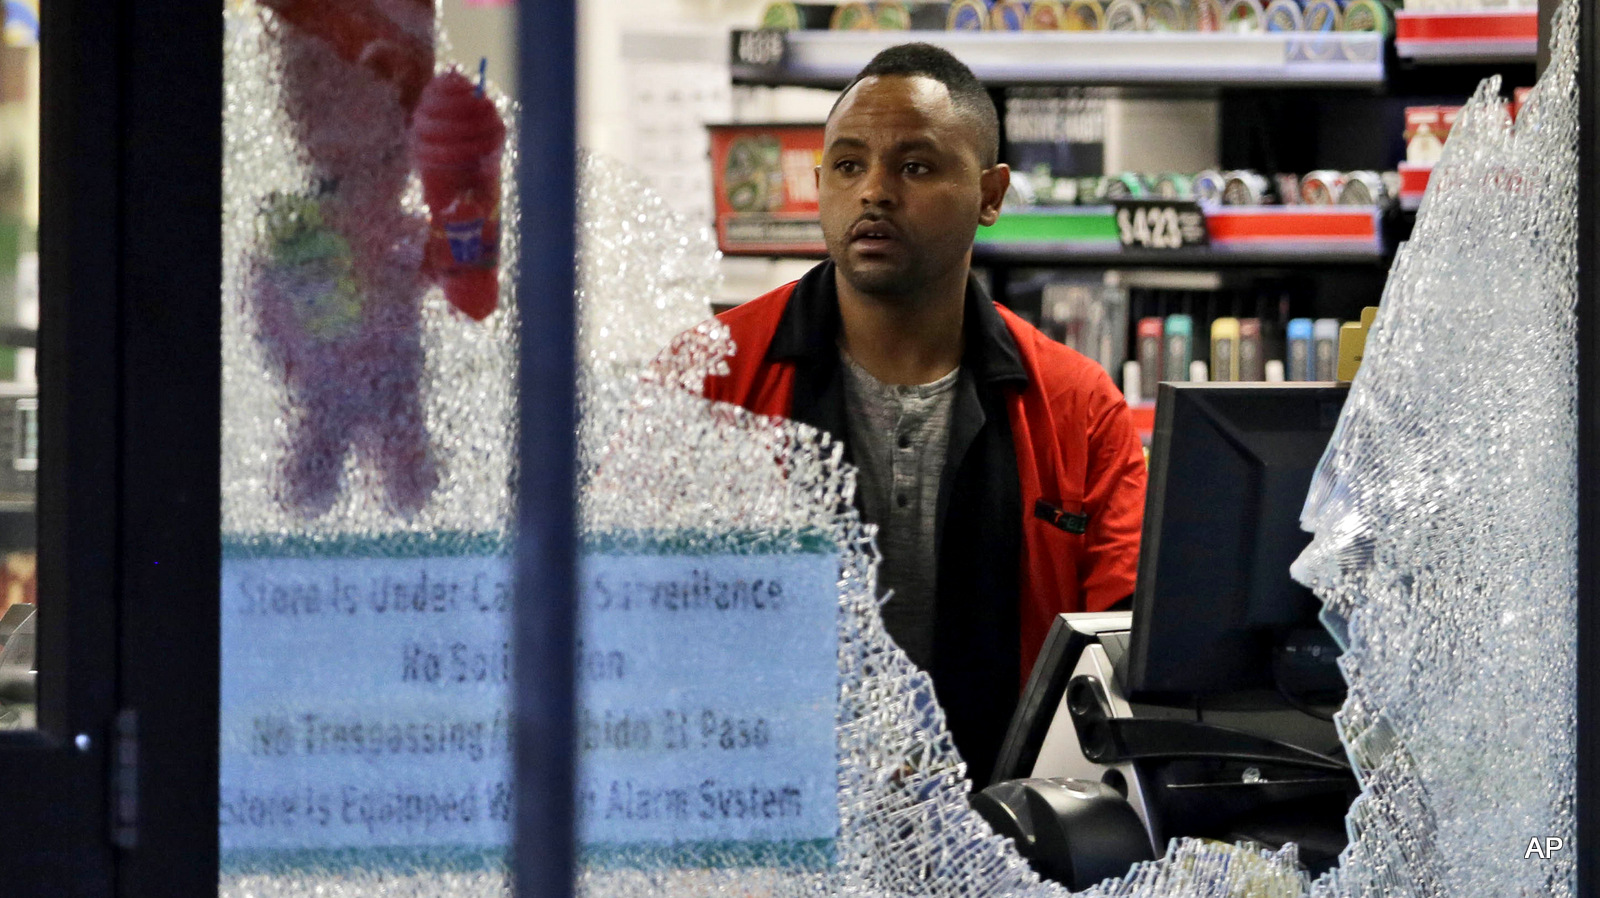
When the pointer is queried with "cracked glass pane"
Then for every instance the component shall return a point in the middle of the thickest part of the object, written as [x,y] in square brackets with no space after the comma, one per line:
[380,447]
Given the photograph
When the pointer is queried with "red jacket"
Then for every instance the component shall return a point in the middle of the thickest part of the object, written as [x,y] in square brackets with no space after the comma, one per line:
[1080,470]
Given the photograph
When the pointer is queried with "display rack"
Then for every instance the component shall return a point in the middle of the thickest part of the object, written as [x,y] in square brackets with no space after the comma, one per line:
[1240,236]
[1021,58]
[1467,36]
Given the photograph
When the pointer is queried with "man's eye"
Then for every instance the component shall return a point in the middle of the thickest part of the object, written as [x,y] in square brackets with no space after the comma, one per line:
[915,168]
[846,166]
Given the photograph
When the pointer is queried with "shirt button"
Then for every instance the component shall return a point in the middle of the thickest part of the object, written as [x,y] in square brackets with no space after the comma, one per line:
[905,441]
[902,500]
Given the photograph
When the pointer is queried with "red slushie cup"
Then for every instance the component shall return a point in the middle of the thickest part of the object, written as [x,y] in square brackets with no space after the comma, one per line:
[456,141]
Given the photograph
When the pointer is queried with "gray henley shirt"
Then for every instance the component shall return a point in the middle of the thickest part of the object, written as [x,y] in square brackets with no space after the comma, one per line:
[899,436]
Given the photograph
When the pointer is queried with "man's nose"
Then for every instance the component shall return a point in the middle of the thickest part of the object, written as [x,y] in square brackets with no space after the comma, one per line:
[878,187]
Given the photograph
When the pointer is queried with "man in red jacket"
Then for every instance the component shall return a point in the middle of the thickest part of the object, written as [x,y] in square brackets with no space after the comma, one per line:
[1001,467]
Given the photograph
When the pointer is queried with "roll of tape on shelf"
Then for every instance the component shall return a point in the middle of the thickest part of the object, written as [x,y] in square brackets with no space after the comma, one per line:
[797,16]
[1209,187]
[1242,16]
[1125,15]
[1173,186]
[1008,15]
[891,15]
[1368,16]
[1245,188]
[1085,15]
[1321,188]
[1323,15]
[1362,188]
[1126,186]
[1208,15]
[928,16]
[852,17]
[968,15]
[1284,15]
[1166,15]
[1288,185]
[1045,15]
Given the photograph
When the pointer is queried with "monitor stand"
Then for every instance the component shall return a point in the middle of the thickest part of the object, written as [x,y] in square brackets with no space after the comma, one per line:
[1240,766]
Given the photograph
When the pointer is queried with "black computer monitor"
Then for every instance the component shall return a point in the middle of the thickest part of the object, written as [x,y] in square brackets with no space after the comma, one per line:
[1214,605]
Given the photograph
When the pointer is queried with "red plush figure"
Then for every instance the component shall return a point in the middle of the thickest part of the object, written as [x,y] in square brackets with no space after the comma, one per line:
[339,285]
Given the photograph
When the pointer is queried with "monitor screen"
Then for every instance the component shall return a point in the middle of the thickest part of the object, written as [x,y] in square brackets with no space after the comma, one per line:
[1230,466]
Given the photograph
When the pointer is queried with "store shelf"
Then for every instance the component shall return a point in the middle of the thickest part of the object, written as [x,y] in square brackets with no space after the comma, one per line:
[1201,258]
[1445,38]
[1241,236]
[1181,59]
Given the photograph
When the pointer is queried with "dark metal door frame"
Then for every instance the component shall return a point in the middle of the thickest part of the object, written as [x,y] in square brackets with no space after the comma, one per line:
[1588,635]
[129,380]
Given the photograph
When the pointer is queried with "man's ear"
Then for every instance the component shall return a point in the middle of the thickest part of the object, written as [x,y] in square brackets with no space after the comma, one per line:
[995,181]
[816,175]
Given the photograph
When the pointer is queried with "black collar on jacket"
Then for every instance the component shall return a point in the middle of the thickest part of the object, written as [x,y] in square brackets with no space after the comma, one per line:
[810,326]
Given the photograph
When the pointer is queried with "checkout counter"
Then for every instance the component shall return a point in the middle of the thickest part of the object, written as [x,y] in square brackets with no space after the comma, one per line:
[1206,712]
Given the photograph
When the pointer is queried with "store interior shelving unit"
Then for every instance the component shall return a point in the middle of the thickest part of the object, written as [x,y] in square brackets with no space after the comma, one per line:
[1286,103]
[1462,38]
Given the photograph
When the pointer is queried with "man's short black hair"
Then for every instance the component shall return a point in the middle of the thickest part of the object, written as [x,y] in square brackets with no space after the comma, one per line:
[967,93]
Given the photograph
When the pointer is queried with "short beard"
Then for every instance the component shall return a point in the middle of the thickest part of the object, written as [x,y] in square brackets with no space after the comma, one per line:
[884,284]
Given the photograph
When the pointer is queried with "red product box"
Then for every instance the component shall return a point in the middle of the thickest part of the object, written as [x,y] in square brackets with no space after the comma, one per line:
[764,181]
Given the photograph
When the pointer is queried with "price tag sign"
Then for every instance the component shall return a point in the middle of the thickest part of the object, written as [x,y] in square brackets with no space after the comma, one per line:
[1160,224]
[760,49]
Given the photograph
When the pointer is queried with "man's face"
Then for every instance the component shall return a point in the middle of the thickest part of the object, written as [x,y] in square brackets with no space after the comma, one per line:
[902,187]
